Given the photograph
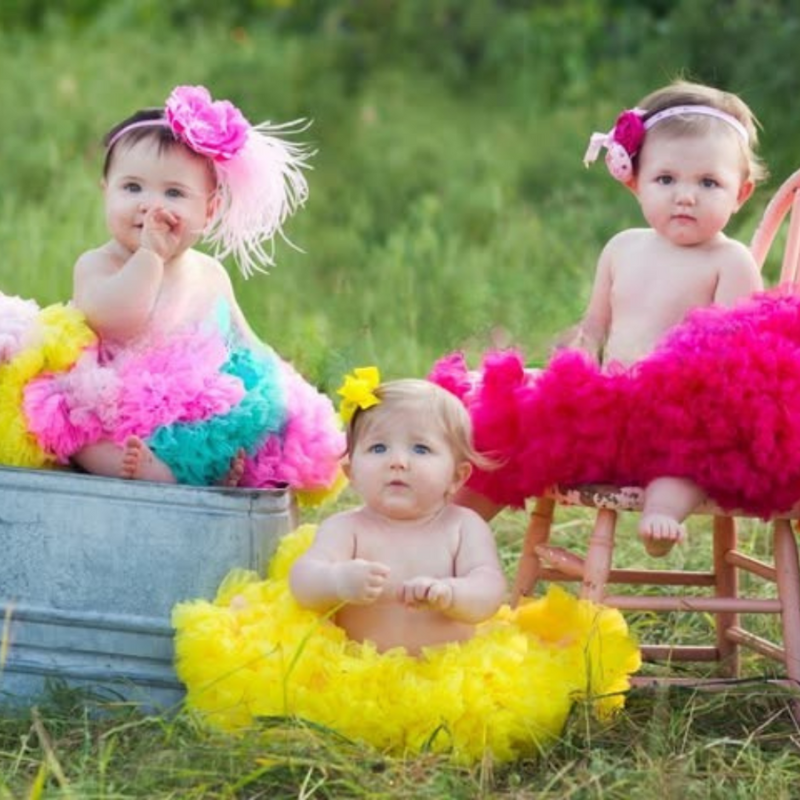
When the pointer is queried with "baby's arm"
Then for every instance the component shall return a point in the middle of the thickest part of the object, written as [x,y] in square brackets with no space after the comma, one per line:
[739,277]
[593,329]
[327,574]
[479,585]
[117,301]
[118,298]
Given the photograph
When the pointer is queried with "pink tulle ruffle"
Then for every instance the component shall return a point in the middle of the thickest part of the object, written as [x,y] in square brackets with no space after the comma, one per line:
[181,381]
[16,318]
[178,381]
[540,426]
[719,402]
[308,450]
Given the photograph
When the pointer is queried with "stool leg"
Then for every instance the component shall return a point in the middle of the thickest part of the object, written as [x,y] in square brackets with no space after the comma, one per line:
[726,586]
[538,533]
[598,556]
[788,579]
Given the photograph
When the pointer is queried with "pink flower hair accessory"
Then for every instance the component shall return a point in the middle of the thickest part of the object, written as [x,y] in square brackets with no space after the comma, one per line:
[260,180]
[216,129]
[622,143]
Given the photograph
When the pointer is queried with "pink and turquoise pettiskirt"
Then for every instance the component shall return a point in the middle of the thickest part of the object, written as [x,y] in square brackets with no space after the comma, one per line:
[196,398]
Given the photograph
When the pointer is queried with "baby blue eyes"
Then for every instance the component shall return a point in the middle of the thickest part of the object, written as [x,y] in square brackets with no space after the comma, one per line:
[668,180]
[417,449]
[135,188]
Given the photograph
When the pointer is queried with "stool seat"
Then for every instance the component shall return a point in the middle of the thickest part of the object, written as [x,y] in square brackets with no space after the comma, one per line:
[631,498]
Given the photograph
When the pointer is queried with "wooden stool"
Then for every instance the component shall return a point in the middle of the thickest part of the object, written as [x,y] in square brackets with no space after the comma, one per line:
[540,560]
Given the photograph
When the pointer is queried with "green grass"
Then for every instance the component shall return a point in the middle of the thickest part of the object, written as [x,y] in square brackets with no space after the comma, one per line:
[677,743]
[444,212]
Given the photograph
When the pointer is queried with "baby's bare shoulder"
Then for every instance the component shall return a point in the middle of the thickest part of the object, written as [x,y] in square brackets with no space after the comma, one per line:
[733,247]
[202,262]
[738,275]
[99,260]
[465,519]
[629,237]
[626,245]
[732,256]
[342,520]
[336,534]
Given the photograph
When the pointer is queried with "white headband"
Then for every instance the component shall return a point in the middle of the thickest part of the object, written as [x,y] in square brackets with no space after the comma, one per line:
[158,122]
[707,111]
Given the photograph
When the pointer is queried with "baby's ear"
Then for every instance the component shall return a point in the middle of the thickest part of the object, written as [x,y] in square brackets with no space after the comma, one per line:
[346,467]
[214,201]
[745,190]
[463,471]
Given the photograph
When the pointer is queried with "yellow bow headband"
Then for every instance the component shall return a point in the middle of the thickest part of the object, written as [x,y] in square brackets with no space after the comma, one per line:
[358,391]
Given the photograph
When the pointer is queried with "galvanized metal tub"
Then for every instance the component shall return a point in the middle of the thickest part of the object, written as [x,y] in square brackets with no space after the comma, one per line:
[91,567]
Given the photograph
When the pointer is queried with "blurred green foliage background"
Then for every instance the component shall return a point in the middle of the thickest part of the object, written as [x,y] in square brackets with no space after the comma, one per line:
[449,205]
[449,208]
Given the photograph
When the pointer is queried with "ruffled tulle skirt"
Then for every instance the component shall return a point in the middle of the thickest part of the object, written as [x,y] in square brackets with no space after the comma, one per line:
[197,398]
[717,402]
[253,652]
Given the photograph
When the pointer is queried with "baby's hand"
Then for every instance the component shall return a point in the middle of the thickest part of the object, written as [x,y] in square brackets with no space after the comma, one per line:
[161,232]
[360,582]
[427,592]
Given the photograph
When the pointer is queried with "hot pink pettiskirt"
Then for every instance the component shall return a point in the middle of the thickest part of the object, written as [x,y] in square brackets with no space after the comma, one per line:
[717,402]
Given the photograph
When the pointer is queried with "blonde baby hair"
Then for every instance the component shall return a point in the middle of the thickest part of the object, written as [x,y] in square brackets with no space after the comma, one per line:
[446,408]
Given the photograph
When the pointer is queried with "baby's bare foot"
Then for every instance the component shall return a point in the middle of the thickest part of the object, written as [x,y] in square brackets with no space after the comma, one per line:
[140,463]
[131,458]
[660,533]
[235,471]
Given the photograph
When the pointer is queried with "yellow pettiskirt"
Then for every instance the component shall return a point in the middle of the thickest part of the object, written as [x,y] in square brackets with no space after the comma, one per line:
[507,691]
[58,338]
